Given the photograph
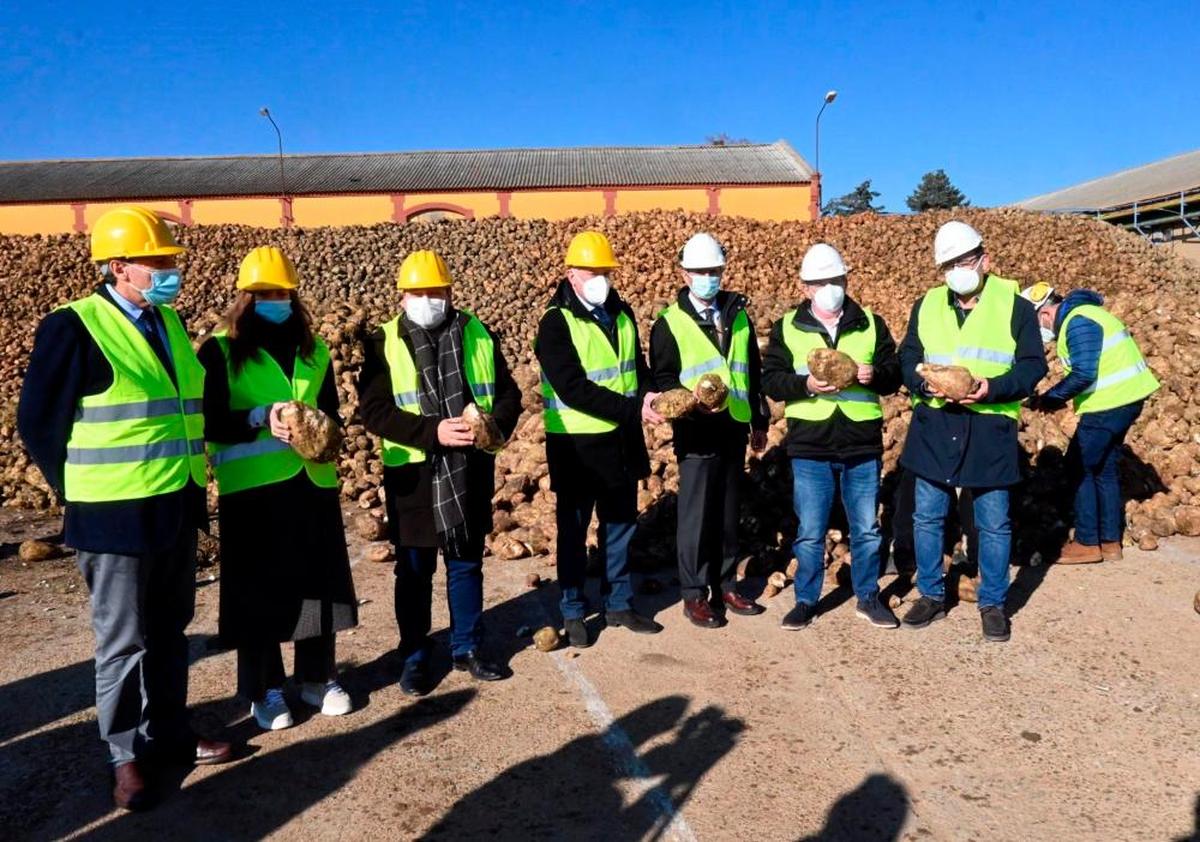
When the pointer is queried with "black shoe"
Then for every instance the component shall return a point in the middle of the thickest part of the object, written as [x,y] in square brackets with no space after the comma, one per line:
[800,616]
[633,621]
[414,680]
[924,611]
[876,613]
[995,624]
[577,633]
[478,667]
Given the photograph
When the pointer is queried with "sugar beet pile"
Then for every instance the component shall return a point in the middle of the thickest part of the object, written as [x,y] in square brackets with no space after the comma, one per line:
[505,269]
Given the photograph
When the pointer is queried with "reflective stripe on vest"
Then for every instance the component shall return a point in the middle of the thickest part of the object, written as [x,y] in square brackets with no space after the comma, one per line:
[142,436]
[479,368]
[857,402]
[699,356]
[609,369]
[1122,376]
[983,344]
[261,382]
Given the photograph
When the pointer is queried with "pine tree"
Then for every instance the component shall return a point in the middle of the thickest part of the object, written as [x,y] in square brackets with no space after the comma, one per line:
[858,200]
[935,192]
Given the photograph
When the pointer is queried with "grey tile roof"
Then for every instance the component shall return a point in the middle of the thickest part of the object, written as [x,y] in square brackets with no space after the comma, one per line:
[1151,181]
[400,172]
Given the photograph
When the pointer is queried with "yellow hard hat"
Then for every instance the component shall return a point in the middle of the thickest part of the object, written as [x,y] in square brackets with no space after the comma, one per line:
[1038,294]
[423,270]
[591,250]
[266,267]
[132,231]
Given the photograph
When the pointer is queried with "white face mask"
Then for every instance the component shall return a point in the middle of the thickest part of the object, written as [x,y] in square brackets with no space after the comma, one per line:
[425,311]
[595,289]
[1047,334]
[964,280]
[830,297]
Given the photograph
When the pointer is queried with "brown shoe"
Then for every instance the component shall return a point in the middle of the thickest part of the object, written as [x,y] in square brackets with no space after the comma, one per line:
[1076,553]
[738,604]
[1111,550]
[700,613]
[129,788]
[212,752]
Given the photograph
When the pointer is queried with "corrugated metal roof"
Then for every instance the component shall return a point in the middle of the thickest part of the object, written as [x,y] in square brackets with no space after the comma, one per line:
[1151,181]
[401,172]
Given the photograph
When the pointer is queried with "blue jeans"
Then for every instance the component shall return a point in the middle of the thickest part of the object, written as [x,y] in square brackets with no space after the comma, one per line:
[812,495]
[617,511]
[1092,460]
[414,595]
[995,540]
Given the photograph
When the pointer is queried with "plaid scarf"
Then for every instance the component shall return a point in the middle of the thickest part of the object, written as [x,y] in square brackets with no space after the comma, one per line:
[439,358]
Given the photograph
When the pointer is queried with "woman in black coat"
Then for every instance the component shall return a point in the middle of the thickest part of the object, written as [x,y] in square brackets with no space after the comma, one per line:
[285,572]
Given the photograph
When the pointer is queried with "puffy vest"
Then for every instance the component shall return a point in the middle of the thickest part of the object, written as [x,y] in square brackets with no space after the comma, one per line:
[1123,376]
[698,356]
[857,402]
[142,436]
[267,460]
[984,344]
[479,368]
[609,369]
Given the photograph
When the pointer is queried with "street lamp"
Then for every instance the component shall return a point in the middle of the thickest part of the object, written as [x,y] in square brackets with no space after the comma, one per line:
[266,112]
[829,97]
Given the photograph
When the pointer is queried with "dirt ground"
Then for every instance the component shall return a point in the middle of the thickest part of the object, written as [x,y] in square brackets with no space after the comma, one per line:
[1083,727]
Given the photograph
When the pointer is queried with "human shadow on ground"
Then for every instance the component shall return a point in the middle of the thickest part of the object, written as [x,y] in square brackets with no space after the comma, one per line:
[1194,836]
[601,785]
[874,811]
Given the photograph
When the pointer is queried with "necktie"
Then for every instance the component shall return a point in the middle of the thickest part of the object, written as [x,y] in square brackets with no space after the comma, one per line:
[147,325]
[710,318]
[603,317]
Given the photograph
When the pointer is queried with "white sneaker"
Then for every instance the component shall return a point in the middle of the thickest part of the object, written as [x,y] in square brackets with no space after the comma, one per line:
[329,697]
[272,712]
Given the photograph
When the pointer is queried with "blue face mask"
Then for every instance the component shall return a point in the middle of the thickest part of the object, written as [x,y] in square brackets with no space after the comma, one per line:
[705,287]
[275,312]
[164,287]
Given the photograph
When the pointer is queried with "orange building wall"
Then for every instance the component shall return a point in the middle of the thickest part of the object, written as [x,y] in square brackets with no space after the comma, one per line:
[766,203]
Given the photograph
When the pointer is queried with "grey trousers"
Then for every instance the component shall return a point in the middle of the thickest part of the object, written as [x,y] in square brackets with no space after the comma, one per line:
[141,606]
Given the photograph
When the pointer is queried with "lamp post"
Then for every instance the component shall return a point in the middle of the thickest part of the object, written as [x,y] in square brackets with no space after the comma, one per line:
[266,112]
[830,96]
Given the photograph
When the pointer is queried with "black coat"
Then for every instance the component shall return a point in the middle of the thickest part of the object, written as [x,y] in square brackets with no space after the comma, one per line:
[67,364]
[699,433]
[409,488]
[587,461]
[837,437]
[285,572]
[955,445]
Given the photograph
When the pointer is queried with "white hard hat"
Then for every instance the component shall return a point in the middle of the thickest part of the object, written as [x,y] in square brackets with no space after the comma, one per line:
[702,251]
[821,263]
[954,239]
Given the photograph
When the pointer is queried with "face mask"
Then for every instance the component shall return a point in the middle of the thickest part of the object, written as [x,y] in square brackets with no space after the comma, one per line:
[705,287]
[830,297]
[963,280]
[275,312]
[595,289]
[1047,335]
[164,287]
[424,311]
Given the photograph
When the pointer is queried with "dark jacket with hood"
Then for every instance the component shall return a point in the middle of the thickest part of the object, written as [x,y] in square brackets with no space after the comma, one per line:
[837,437]
[579,463]
[1085,339]
[409,488]
[702,433]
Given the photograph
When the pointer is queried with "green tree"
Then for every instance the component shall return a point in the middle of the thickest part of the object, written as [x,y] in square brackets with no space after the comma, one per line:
[859,200]
[935,192]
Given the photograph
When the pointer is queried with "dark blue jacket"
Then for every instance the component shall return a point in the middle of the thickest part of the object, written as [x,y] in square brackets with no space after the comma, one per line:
[1085,339]
[65,365]
[960,447]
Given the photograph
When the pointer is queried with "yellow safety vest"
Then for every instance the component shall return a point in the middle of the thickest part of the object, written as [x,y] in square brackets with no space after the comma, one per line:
[609,369]
[698,356]
[1123,376]
[984,344]
[858,403]
[267,460]
[142,436]
[479,367]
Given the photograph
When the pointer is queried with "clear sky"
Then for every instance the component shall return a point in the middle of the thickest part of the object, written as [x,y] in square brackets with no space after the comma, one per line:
[1011,98]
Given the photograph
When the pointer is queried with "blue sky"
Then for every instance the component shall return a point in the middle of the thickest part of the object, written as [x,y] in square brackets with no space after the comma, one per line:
[1011,99]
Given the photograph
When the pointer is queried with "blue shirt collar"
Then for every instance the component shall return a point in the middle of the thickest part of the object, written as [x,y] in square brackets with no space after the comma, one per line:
[131,310]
